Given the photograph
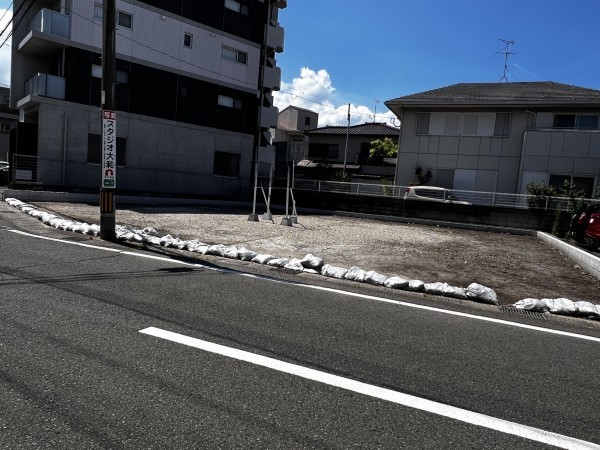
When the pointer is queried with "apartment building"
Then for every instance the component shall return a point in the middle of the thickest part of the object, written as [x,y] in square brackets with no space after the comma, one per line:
[193,94]
[498,137]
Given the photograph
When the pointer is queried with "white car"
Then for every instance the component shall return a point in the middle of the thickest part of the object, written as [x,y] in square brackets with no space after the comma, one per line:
[432,194]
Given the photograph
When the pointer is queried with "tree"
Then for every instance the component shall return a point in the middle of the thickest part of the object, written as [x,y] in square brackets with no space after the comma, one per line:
[385,148]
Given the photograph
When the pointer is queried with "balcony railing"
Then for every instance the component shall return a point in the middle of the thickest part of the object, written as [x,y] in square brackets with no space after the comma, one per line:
[51,22]
[45,85]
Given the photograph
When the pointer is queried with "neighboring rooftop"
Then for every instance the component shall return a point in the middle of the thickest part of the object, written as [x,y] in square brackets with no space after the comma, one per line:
[365,129]
[544,92]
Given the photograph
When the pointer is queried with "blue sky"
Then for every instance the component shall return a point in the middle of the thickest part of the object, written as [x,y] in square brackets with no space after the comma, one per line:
[390,48]
[361,52]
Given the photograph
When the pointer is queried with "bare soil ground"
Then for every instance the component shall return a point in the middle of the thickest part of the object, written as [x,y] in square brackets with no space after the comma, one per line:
[516,267]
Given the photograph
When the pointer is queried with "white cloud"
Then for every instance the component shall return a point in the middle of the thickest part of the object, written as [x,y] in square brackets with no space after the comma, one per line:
[5,50]
[314,91]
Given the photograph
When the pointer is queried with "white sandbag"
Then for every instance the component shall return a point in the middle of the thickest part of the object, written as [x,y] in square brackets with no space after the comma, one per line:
[246,255]
[48,218]
[455,292]
[278,262]
[375,278]
[396,283]
[191,245]
[312,262]
[167,241]
[262,259]
[151,240]
[313,271]
[560,306]
[531,304]
[415,285]
[356,274]
[150,231]
[216,250]
[95,229]
[332,271]
[179,244]
[202,249]
[434,288]
[294,264]
[480,293]
[230,252]
[587,309]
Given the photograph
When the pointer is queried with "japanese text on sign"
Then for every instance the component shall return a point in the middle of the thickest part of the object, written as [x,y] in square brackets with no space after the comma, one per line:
[109,149]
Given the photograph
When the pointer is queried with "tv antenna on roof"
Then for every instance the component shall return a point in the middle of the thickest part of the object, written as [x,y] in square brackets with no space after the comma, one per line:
[506,52]
[375,114]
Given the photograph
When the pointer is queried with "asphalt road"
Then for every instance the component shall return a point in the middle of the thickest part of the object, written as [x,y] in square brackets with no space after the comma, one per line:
[76,370]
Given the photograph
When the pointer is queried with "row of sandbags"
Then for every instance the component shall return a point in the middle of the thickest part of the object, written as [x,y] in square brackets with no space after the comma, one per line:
[309,263]
[562,306]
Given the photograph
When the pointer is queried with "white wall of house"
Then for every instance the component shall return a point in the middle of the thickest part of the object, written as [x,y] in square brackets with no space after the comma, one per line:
[467,151]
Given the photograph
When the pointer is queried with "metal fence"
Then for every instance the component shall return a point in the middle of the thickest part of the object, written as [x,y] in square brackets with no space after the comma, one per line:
[496,199]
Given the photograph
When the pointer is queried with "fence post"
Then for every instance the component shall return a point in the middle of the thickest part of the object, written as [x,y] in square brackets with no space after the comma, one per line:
[358,189]
[547,200]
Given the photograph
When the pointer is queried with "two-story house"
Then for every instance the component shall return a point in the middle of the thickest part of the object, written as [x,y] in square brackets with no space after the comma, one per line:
[498,137]
[328,145]
[194,92]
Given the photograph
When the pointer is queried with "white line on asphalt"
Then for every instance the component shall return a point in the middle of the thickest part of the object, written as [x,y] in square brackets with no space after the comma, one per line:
[410,401]
[326,289]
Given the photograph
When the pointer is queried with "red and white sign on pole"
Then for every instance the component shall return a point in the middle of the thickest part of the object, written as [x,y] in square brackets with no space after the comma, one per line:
[109,149]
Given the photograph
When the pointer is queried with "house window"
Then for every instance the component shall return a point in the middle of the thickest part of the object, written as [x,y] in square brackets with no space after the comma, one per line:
[323,150]
[237,6]
[423,120]
[94,155]
[502,127]
[307,121]
[230,102]
[124,19]
[227,164]
[98,11]
[187,40]
[231,54]
[582,121]
[4,128]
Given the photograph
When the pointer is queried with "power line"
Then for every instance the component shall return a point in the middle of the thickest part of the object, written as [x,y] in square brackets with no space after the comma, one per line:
[5,11]
[14,28]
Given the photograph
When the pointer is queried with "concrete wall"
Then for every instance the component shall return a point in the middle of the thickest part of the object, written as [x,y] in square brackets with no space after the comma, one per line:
[162,156]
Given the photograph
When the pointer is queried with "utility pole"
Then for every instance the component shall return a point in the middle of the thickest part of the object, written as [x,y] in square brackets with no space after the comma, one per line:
[109,124]
[346,148]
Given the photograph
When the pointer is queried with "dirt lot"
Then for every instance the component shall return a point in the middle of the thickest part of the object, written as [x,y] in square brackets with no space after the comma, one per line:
[516,267]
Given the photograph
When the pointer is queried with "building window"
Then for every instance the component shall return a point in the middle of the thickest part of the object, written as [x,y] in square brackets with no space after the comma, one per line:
[307,121]
[94,155]
[231,54]
[227,164]
[502,127]
[229,102]
[423,120]
[585,184]
[323,150]
[237,6]
[121,76]
[124,19]
[581,121]
[187,40]
[98,11]
[4,128]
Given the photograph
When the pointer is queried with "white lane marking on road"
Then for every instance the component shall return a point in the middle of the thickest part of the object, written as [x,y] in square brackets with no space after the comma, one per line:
[409,401]
[326,289]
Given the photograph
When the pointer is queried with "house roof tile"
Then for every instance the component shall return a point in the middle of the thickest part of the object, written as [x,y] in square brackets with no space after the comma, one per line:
[546,92]
[365,129]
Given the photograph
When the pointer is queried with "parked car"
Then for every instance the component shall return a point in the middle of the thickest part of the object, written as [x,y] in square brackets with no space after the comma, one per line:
[585,225]
[432,194]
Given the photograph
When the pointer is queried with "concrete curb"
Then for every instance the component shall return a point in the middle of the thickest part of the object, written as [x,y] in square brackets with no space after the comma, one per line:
[589,263]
